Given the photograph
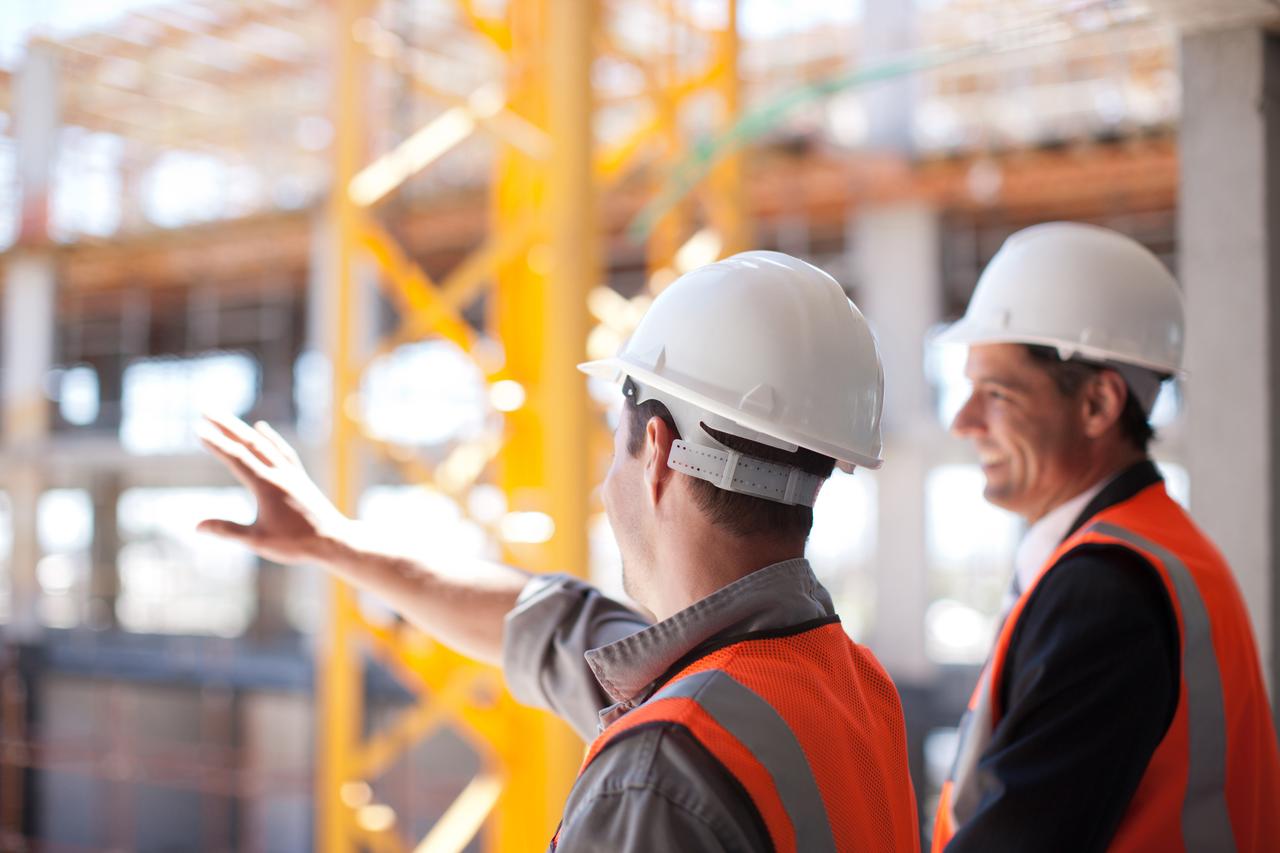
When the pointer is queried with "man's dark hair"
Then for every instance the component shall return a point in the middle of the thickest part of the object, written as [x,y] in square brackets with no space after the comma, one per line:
[1070,375]
[741,515]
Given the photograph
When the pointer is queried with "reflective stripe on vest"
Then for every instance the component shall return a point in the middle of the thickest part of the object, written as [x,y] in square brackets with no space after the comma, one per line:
[1213,781]
[1205,822]
[752,720]
[809,725]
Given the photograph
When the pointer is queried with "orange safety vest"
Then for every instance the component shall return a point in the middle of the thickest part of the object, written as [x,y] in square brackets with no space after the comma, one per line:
[1213,782]
[810,725]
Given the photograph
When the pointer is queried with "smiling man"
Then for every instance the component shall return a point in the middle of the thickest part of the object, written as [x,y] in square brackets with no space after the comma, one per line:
[1122,707]
[740,716]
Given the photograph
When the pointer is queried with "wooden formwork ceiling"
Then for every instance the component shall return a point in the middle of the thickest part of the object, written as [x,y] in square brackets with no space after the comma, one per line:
[997,82]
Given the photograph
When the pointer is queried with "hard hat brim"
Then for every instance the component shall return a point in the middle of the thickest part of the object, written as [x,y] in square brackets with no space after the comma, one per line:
[614,369]
[965,332]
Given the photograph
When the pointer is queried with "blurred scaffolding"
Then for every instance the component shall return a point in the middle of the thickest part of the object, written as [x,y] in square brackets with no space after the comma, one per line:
[396,226]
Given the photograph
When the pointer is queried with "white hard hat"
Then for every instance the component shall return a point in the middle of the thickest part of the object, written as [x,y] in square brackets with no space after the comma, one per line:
[1087,291]
[766,347]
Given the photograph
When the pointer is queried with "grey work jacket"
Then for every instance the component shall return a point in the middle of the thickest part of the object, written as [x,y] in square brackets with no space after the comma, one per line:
[590,659]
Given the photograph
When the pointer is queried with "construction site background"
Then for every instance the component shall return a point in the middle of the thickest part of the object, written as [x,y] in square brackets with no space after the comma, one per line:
[391,228]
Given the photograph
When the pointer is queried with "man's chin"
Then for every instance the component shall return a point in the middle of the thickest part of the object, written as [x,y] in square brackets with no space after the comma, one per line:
[997,495]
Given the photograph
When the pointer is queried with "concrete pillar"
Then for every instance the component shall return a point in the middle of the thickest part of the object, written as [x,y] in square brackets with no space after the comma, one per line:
[896,252]
[312,411]
[36,120]
[28,316]
[1229,264]
[24,484]
[888,33]
[270,623]
[104,577]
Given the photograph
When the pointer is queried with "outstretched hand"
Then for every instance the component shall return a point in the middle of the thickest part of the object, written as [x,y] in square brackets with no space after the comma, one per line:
[296,522]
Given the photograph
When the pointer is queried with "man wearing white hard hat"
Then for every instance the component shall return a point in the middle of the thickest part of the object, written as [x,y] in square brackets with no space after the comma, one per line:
[1122,707]
[736,714]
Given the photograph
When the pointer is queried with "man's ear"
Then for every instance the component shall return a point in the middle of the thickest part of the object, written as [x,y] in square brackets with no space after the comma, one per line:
[657,448]
[1103,400]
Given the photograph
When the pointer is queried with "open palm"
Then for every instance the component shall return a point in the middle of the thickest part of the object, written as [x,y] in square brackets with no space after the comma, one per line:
[296,522]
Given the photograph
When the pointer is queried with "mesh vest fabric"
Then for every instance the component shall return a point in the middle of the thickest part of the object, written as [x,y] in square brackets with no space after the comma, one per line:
[1213,782]
[811,727]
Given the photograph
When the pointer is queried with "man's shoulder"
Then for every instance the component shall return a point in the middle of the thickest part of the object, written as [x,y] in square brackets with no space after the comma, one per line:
[660,767]
[1110,574]
[663,755]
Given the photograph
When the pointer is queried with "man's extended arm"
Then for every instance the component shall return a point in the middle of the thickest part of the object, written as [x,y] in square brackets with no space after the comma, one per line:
[461,603]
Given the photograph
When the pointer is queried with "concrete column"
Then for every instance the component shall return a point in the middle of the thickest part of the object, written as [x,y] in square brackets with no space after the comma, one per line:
[888,33]
[36,121]
[104,577]
[313,414]
[270,623]
[896,254]
[24,484]
[1229,264]
[28,316]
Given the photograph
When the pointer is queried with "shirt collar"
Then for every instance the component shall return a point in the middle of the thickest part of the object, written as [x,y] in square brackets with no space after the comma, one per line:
[1044,537]
[777,596]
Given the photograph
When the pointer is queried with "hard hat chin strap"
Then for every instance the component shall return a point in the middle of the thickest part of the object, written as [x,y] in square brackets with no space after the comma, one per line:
[697,454]
[735,472]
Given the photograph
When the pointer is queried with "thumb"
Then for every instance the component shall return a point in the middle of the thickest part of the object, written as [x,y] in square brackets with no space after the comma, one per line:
[226,529]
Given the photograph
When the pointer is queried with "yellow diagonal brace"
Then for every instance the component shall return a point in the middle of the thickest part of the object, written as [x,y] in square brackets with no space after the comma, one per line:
[413,288]
[612,163]
[462,820]
[506,125]
[460,287]
[409,727]
[463,284]
[494,30]
[695,83]
[384,175]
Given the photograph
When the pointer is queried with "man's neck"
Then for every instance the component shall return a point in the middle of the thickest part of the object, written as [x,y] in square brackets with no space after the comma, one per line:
[702,558]
[1102,470]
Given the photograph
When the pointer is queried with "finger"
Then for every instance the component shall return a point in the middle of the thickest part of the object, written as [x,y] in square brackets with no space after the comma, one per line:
[242,533]
[240,432]
[245,465]
[284,448]
[238,469]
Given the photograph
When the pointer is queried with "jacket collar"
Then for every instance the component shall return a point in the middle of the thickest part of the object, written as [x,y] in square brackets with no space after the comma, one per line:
[773,598]
[1123,486]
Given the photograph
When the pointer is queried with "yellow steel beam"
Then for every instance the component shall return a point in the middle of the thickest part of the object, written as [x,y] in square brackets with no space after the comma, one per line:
[408,61]
[414,289]
[612,163]
[504,124]
[495,30]
[460,286]
[672,228]
[463,284]
[728,203]
[338,682]
[408,728]
[381,177]
[539,314]
[543,257]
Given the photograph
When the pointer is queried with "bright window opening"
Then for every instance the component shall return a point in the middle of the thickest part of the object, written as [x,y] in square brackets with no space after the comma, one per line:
[970,546]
